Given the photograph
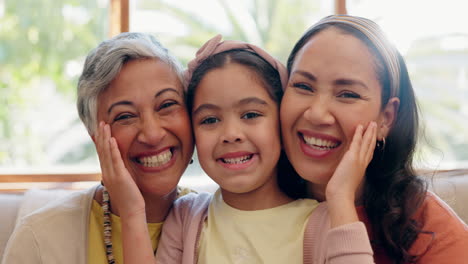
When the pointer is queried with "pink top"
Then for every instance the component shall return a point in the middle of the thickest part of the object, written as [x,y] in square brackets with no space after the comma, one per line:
[345,244]
[181,232]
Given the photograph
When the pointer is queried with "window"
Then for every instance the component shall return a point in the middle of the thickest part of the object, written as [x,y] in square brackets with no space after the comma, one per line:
[433,37]
[42,51]
[184,26]
[44,44]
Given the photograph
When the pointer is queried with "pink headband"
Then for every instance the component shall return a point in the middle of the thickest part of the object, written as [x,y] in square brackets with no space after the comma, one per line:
[215,46]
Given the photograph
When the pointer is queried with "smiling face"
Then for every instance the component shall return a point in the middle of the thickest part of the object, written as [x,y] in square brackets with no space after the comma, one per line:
[144,106]
[333,87]
[236,128]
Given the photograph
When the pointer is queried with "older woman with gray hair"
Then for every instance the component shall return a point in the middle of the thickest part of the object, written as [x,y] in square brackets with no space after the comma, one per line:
[133,85]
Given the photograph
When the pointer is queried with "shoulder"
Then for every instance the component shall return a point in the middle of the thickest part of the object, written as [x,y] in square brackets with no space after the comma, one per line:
[435,212]
[52,230]
[442,230]
[193,201]
[188,210]
[70,206]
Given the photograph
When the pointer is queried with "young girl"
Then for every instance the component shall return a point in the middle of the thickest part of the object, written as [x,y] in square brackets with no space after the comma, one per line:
[234,90]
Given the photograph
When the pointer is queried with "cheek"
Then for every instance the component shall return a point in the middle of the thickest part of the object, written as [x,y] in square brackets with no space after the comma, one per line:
[180,125]
[124,137]
[204,143]
[291,111]
[274,132]
[350,120]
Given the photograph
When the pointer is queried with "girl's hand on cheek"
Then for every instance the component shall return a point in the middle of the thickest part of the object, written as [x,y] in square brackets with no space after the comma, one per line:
[126,198]
[343,185]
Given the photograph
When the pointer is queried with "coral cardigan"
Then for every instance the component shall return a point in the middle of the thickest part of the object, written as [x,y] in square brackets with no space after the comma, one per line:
[445,237]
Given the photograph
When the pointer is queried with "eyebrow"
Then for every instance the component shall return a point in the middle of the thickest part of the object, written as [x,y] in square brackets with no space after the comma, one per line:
[350,82]
[126,102]
[305,74]
[251,100]
[167,90]
[205,107]
[245,101]
[341,81]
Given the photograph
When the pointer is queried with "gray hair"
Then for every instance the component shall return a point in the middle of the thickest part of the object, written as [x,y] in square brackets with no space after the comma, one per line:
[104,63]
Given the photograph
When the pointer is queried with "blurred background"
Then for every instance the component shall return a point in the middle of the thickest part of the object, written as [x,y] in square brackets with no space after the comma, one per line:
[43,44]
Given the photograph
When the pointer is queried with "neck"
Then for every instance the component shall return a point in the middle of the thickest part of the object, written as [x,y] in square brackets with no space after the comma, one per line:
[266,196]
[156,207]
[316,191]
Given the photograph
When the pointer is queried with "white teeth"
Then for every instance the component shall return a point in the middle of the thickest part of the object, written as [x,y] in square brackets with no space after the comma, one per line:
[319,143]
[156,160]
[238,160]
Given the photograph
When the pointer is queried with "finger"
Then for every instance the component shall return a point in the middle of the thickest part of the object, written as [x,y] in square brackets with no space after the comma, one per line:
[105,157]
[100,148]
[107,151]
[99,142]
[97,137]
[357,139]
[369,141]
[117,161]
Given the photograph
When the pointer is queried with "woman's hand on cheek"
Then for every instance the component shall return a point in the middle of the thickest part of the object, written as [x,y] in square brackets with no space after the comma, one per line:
[343,185]
[126,198]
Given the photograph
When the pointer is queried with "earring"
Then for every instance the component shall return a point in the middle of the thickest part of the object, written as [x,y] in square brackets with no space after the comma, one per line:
[381,143]
[191,161]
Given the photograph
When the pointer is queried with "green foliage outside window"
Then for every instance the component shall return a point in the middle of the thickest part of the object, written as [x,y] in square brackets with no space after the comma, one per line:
[43,45]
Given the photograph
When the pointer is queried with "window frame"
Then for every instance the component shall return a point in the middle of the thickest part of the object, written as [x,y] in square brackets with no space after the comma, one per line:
[118,22]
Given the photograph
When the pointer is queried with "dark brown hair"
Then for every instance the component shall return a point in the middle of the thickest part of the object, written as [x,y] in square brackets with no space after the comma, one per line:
[288,180]
[392,191]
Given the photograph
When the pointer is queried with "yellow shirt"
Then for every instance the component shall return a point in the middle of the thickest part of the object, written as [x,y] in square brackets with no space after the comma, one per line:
[96,247]
[272,235]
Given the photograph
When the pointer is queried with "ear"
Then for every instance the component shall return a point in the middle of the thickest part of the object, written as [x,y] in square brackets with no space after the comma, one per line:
[387,117]
[94,140]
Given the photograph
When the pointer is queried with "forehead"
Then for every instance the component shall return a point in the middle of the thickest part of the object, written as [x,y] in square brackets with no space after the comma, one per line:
[231,81]
[335,52]
[139,76]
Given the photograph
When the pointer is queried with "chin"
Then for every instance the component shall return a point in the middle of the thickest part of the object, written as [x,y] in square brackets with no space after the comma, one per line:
[315,176]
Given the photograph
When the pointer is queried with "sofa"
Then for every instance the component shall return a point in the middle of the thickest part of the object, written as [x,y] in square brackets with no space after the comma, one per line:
[451,186]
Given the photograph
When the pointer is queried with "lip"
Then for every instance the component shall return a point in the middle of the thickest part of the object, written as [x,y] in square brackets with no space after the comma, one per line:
[238,154]
[168,164]
[313,152]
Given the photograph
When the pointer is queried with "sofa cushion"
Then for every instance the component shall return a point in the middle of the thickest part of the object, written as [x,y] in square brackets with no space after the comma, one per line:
[454,191]
[9,204]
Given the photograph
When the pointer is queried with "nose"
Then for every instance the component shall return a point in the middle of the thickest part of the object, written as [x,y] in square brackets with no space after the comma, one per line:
[151,130]
[320,111]
[232,132]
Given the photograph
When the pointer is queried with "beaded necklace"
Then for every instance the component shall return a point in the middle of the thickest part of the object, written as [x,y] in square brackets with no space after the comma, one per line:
[107,226]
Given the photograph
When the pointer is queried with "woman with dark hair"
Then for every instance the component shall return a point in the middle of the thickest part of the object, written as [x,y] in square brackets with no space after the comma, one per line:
[343,74]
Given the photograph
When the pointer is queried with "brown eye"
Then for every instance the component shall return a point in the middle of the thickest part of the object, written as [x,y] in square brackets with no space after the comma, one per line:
[349,95]
[209,120]
[250,115]
[123,117]
[167,104]
[302,86]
